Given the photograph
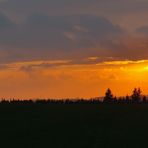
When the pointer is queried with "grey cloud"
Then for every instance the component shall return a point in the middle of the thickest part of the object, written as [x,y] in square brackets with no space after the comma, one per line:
[122,12]
[142,30]
[42,36]
[5,22]
[84,61]
[25,6]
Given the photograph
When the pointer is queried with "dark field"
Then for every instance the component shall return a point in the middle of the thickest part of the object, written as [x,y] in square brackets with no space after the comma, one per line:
[74,126]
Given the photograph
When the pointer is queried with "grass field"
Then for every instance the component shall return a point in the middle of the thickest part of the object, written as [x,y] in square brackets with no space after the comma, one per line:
[74,126]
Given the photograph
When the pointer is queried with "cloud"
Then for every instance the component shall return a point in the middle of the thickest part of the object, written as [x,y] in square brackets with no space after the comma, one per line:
[66,5]
[142,30]
[127,13]
[42,36]
[5,22]
[52,29]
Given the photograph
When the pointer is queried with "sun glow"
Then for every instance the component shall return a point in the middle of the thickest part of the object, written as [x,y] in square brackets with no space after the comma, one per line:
[68,78]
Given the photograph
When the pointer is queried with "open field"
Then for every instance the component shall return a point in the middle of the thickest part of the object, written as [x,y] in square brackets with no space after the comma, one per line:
[74,125]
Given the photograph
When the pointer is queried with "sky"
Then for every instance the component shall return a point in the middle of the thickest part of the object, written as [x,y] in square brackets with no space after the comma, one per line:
[72,48]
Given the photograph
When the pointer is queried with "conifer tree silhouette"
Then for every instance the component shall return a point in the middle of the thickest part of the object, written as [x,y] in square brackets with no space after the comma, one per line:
[136,96]
[108,96]
[144,99]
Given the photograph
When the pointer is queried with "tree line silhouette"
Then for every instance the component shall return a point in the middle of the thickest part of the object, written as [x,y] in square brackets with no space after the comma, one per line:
[136,97]
[109,98]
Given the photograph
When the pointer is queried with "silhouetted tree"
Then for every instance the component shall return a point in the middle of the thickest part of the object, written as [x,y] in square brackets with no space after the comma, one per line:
[136,96]
[108,96]
[144,100]
[115,99]
[127,99]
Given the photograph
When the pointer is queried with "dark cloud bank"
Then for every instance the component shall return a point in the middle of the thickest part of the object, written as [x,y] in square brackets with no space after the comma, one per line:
[42,36]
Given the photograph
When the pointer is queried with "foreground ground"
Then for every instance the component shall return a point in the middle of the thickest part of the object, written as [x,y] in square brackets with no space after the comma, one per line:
[74,126]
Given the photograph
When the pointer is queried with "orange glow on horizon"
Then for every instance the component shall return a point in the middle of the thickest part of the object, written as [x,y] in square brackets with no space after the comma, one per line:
[62,79]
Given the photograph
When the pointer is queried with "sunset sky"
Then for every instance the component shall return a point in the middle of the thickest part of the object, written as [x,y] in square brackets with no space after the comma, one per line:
[72,48]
